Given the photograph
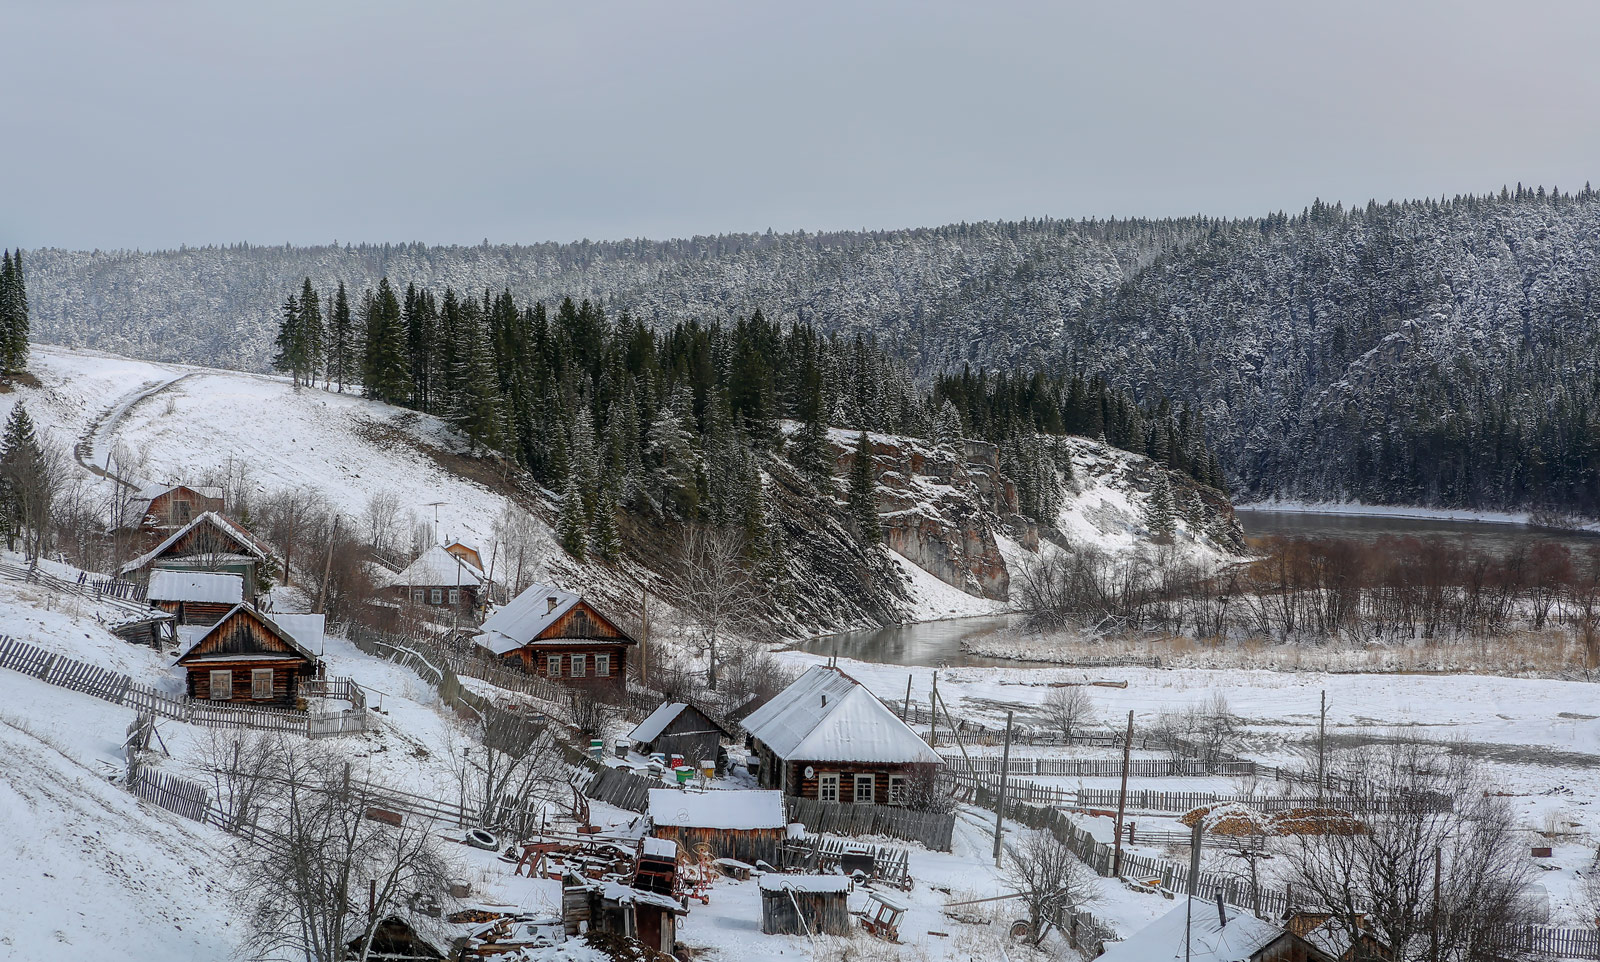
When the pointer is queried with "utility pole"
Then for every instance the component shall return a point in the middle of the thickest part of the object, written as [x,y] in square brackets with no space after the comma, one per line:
[1194,882]
[1438,872]
[905,706]
[1000,805]
[1122,799]
[1322,748]
[327,567]
[644,635]
[933,714]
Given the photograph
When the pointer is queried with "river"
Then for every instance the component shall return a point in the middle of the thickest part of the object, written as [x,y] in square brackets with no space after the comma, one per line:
[938,643]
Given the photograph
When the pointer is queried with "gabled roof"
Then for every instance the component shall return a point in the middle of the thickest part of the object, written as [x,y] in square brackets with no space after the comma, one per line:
[150,492]
[828,716]
[435,568]
[240,537]
[196,586]
[1209,940]
[277,630]
[529,614]
[651,727]
[728,810]
[305,629]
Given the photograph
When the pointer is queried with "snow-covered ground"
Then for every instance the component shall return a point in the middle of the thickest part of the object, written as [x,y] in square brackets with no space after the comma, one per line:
[1412,512]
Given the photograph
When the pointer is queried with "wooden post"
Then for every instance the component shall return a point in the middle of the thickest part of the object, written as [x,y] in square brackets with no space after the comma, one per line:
[1438,871]
[1122,799]
[327,568]
[644,636]
[933,714]
[1322,748]
[905,706]
[1000,803]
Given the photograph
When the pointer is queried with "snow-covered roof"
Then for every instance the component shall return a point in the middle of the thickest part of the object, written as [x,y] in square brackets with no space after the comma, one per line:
[1208,939]
[520,620]
[659,848]
[735,810]
[197,586]
[283,634]
[828,716]
[773,882]
[651,727]
[230,530]
[150,492]
[437,567]
[305,629]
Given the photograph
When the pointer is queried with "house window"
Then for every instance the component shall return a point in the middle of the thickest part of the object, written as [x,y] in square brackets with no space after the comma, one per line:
[183,511]
[221,685]
[897,789]
[602,666]
[553,666]
[828,787]
[418,595]
[579,665]
[438,596]
[455,596]
[864,789]
[261,683]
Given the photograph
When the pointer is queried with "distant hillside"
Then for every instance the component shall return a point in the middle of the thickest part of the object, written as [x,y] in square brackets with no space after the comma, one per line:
[1429,352]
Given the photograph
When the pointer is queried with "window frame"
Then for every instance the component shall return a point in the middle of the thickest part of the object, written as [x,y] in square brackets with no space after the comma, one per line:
[419,596]
[897,789]
[211,685]
[602,666]
[552,666]
[455,596]
[437,595]
[256,677]
[580,666]
[825,782]
[870,781]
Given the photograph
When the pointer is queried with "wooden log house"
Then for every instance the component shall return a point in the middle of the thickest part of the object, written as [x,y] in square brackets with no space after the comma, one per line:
[466,551]
[677,728]
[828,738]
[1213,932]
[440,579]
[748,826]
[554,633]
[195,597]
[247,658]
[210,542]
[165,507]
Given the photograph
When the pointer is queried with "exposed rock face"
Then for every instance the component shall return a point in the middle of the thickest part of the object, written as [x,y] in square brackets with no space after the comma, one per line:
[942,509]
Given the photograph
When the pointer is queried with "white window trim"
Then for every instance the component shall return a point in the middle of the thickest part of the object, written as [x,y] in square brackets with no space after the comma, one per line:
[871,783]
[826,781]
[552,665]
[455,596]
[602,666]
[225,693]
[897,789]
[438,595]
[419,596]
[580,666]
[256,677]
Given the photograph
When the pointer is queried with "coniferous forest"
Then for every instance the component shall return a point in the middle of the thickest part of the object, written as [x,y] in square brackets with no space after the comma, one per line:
[1440,352]
[613,412]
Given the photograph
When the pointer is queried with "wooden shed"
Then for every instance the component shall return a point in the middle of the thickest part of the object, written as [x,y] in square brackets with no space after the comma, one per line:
[805,904]
[827,737]
[399,940]
[246,658]
[210,542]
[650,917]
[554,633]
[678,728]
[748,826]
[195,597]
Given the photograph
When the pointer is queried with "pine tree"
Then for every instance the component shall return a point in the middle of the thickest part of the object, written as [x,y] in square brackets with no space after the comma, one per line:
[289,341]
[571,527]
[947,426]
[603,534]
[384,374]
[342,347]
[312,338]
[25,491]
[477,408]
[14,324]
[1158,513]
[863,493]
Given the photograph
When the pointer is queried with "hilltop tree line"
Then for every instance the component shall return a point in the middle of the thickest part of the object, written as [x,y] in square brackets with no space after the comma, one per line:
[614,413]
[13,315]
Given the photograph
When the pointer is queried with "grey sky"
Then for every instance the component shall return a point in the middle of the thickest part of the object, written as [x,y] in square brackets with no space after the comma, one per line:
[157,123]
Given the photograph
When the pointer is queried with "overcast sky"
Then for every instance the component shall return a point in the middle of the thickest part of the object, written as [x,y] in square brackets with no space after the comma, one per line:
[155,123]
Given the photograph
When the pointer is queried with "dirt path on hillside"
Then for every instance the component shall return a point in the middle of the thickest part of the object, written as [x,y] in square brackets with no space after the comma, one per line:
[94,449]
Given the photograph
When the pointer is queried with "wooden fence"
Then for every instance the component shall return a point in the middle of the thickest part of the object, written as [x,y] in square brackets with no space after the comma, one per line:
[121,594]
[614,786]
[815,854]
[1098,767]
[190,799]
[932,829]
[120,689]
[1181,802]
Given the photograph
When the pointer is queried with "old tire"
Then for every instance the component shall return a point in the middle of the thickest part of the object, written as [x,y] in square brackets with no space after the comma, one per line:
[479,838]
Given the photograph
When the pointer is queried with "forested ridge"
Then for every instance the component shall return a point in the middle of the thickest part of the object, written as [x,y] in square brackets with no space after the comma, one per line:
[1439,351]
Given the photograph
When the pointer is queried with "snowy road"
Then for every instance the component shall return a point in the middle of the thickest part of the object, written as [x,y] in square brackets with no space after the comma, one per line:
[94,451]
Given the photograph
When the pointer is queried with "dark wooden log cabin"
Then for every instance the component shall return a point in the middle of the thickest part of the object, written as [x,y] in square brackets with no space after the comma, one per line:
[557,634]
[164,507]
[210,542]
[826,737]
[440,579]
[259,662]
[748,826]
[195,597]
[677,728]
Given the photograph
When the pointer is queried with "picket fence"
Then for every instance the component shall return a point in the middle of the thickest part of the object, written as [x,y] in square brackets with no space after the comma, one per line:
[120,689]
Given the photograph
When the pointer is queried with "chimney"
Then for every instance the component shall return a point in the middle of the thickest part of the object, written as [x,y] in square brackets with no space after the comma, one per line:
[552,603]
[824,701]
[1222,913]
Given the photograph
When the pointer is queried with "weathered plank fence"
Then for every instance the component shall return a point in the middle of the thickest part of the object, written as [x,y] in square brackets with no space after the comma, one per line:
[932,829]
[1181,802]
[1099,767]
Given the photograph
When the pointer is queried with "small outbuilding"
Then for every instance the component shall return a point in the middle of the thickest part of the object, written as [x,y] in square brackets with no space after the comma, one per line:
[247,658]
[748,826]
[466,551]
[1213,932]
[399,939]
[827,737]
[195,597]
[650,917]
[678,728]
[805,904]
[557,634]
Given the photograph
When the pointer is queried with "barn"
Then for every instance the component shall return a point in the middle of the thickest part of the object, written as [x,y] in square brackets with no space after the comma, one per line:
[557,634]
[440,579]
[828,738]
[164,507]
[805,904]
[678,728]
[210,542]
[195,597]
[246,658]
[1214,932]
[748,826]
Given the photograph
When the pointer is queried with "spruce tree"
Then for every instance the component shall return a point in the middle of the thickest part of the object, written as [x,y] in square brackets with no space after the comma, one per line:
[312,338]
[13,315]
[25,492]
[385,374]
[863,492]
[603,535]
[341,340]
[572,528]
[1159,515]
[947,426]
[289,341]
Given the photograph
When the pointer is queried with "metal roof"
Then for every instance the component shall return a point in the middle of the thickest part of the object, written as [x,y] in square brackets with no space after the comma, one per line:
[521,619]
[828,716]
[437,568]
[198,586]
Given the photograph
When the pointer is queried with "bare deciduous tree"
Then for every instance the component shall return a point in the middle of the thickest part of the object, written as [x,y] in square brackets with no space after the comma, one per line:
[379,517]
[719,596]
[514,763]
[244,768]
[1067,709]
[1049,879]
[521,548]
